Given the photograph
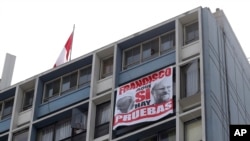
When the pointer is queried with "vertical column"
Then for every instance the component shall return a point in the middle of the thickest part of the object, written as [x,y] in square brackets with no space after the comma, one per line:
[7,71]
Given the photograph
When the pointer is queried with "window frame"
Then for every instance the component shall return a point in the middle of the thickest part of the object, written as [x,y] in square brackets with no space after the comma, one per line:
[158,135]
[78,79]
[183,78]
[19,133]
[174,42]
[102,125]
[126,66]
[102,75]
[191,122]
[154,55]
[26,107]
[186,41]
[53,127]
[46,99]
[60,79]
[3,103]
[70,88]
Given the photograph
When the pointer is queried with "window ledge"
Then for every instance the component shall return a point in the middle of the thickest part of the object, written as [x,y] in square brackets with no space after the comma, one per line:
[25,111]
[190,102]
[103,79]
[190,44]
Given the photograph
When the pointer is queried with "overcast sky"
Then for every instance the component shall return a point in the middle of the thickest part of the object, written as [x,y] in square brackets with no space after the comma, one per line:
[35,31]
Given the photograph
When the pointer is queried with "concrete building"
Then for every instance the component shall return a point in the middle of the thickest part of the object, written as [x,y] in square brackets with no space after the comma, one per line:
[76,101]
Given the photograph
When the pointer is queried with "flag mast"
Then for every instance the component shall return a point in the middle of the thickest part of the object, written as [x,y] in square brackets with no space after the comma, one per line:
[72,42]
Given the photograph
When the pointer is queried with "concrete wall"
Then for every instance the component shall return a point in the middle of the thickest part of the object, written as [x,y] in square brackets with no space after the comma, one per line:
[225,77]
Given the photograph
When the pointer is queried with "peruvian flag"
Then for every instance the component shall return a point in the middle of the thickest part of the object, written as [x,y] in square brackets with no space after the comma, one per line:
[65,53]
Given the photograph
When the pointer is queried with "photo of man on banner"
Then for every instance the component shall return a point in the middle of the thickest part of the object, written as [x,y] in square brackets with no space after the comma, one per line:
[161,91]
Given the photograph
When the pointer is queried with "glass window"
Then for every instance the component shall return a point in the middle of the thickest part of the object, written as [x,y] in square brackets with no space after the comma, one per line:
[132,57]
[21,136]
[28,99]
[57,132]
[63,130]
[190,79]
[79,119]
[46,134]
[69,82]
[85,76]
[193,130]
[153,138]
[52,89]
[103,115]
[107,67]
[150,49]
[191,33]
[7,109]
[167,42]
[167,135]
[0,110]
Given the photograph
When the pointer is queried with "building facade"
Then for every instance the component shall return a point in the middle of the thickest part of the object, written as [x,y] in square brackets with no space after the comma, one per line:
[77,100]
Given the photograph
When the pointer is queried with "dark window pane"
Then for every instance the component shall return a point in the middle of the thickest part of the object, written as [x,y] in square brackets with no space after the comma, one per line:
[167,42]
[7,110]
[46,134]
[28,99]
[103,115]
[192,33]
[69,82]
[107,67]
[85,76]
[101,130]
[153,138]
[52,90]
[132,57]
[190,79]
[22,136]
[150,49]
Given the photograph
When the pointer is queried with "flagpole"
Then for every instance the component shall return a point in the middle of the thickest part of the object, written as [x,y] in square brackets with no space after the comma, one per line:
[72,42]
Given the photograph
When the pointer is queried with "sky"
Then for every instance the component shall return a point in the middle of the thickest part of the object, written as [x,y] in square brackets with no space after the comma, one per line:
[35,31]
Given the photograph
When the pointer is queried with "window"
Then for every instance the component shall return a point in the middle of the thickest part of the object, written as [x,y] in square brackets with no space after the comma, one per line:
[21,136]
[52,90]
[7,108]
[0,110]
[103,115]
[132,57]
[148,50]
[190,79]
[55,132]
[152,138]
[193,130]
[69,82]
[28,99]
[191,32]
[167,42]
[70,129]
[85,76]
[79,119]
[107,67]
[168,135]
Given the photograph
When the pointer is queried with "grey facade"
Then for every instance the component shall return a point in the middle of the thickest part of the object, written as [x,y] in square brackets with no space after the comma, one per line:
[75,101]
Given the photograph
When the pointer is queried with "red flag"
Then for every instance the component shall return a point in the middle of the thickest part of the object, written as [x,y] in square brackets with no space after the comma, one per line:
[64,55]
